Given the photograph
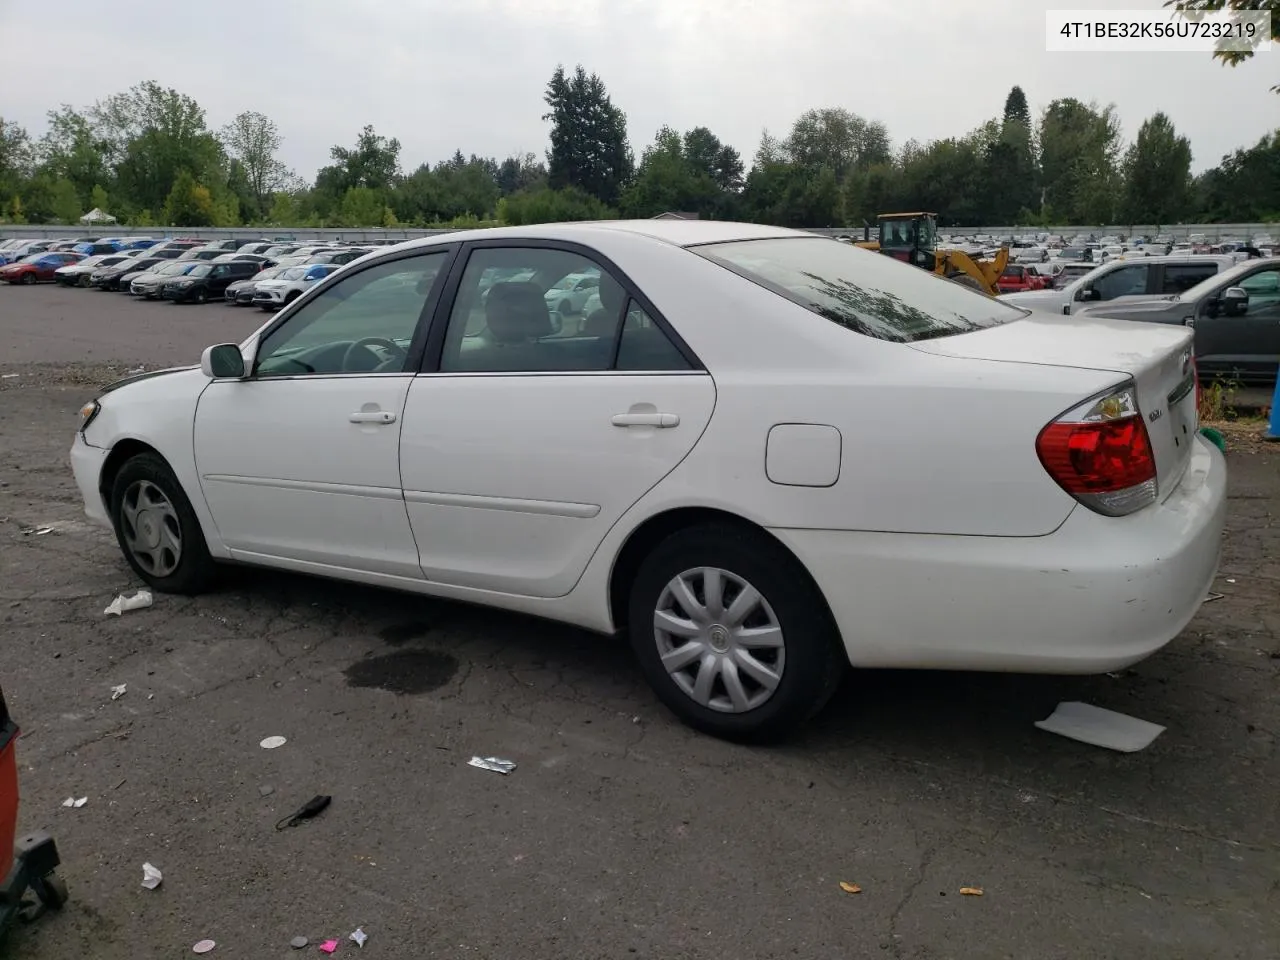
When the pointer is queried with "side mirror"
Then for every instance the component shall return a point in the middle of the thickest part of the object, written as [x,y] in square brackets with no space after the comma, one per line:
[222,361]
[1083,294]
[1235,301]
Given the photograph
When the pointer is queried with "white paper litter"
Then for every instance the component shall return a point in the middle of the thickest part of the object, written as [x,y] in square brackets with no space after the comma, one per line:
[359,936]
[270,743]
[1102,728]
[79,803]
[492,763]
[126,602]
[151,876]
[119,691]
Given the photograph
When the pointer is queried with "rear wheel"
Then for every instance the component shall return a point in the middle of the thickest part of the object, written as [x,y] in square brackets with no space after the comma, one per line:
[28,278]
[732,634]
[157,528]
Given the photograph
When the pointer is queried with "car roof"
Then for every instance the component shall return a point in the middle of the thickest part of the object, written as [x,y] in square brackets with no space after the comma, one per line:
[681,233]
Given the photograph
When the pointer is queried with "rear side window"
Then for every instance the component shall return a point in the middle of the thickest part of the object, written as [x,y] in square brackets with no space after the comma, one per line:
[1123,282]
[868,293]
[1181,277]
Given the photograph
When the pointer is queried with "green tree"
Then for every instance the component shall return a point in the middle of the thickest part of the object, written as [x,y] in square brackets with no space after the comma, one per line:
[66,201]
[1079,152]
[73,149]
[545,205]
[362,207]
[253,140]
[718,161]
[16,157]
[1195,9]
[838,140]
[155,132]
[1016,109]
[16,213]
[284,210]
[374,162]
[523,172]
[188,204]
[1245,186]
[98,198]
[1157,174]
[589,148]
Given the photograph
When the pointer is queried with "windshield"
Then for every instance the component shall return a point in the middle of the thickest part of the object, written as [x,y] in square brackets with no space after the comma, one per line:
[293,273]
[90,261]
[203,270]
[32,258]
[175,269]
[869,293]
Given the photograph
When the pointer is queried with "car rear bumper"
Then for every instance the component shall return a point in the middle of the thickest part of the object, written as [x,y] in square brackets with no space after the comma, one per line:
[1097,594]
[86,467]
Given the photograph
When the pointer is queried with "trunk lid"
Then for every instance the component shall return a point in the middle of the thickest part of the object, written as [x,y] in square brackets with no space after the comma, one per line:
[1158,357]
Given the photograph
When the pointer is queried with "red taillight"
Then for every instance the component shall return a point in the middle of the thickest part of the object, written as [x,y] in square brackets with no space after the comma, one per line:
[1100,453]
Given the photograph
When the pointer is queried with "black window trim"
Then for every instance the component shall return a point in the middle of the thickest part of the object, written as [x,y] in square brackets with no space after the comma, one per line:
[417,344]
[439,326]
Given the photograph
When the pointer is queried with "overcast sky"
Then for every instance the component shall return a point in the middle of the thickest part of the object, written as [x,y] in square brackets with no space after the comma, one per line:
[447,74]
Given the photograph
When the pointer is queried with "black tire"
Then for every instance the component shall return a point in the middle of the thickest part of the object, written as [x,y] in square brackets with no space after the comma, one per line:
[291,296]
[28,278]
[815,657]
[201,295]
[51,891]
[565,308]
[195,571]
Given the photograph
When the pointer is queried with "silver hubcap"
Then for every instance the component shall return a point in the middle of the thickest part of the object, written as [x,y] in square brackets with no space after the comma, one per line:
[151,529]
[719,639]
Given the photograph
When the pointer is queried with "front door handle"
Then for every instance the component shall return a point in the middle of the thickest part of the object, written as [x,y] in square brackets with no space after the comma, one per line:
[372,416]
[646,420]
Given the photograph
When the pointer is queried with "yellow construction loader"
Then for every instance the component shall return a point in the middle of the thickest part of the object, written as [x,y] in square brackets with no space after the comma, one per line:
[913,238]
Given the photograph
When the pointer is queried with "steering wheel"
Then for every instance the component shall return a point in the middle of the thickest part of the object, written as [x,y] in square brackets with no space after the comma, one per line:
[398,352]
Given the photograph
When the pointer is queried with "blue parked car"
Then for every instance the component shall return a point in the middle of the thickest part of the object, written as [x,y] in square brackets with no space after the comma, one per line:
[11,251]
[137,243]
[97,247]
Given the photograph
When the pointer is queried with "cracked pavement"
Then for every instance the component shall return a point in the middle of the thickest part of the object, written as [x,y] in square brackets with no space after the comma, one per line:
[621,833]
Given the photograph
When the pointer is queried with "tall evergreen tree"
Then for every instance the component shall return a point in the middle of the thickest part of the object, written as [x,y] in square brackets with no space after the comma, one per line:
[589,148]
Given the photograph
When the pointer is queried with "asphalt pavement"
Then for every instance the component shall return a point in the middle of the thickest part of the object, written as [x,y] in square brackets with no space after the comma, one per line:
[620,833]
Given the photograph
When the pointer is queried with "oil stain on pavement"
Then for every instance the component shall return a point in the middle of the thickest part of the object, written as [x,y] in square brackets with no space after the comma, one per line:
[405,671]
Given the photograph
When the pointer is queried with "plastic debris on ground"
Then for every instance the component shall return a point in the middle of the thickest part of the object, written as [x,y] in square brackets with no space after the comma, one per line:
[9,376]
[329,946]
[850,887]
[266,790]
[73,802]
[119,691]
[1214,596]
[358,936]
[126,602]
[299,942]
[493,763]
[1099,727]
[151,876]
[204,946]
[971,891]
[43,530]
[312,808]
[270,743]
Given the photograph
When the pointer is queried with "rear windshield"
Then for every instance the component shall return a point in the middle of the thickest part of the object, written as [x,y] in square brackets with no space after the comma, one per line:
[869,293]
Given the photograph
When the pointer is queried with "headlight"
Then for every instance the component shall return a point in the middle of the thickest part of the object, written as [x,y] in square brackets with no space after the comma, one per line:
[87,414]
[185,283]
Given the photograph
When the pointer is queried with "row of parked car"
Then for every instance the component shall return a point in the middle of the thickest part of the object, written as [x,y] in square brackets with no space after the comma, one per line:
[262,273]
[1233,305]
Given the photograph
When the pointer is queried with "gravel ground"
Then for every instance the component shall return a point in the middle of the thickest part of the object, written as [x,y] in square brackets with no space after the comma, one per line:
[620,834]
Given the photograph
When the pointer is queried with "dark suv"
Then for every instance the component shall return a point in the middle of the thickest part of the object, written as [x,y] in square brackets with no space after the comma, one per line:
[207,281]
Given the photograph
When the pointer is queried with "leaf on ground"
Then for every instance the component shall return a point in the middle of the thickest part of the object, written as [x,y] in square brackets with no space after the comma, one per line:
[850,887]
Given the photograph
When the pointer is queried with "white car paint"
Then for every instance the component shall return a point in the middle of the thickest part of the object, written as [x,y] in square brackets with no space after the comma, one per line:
[913,493]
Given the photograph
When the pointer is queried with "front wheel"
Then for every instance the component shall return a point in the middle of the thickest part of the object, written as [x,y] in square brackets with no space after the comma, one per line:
[201,296]
[28,278]
[732,634]
[157,529]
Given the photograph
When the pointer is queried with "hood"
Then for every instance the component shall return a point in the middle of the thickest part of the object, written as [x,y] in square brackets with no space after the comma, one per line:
[124,382]
[1034,299]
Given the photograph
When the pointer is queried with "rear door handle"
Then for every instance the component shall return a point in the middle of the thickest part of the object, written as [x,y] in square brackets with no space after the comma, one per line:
[646,420]
[372,416]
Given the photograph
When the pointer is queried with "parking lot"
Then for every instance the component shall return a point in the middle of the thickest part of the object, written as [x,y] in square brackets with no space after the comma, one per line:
[620,833]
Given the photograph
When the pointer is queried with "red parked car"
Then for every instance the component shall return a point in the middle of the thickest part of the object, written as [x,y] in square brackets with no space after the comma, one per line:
[38,267]
[1018,277]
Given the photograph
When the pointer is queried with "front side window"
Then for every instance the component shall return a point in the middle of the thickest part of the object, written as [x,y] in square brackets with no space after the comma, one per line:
[1124,282]
[363,324]
[868,293]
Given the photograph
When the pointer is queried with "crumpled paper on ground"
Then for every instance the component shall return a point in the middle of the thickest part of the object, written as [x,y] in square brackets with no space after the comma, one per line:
[126,602]
[151,876]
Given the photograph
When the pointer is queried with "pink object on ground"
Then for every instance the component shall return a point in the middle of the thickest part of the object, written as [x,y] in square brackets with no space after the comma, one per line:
[329,946]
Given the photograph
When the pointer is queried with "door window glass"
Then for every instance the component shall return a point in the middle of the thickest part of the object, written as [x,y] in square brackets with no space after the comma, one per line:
[1181,277]
[523,309]
[645,346]
[362,324]
[1124,282]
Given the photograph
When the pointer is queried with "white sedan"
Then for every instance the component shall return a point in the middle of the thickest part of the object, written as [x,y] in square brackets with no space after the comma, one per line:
[766,456]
